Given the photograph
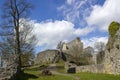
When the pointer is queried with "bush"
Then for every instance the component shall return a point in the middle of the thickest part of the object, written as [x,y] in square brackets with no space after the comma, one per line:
[46,72]
[113,27]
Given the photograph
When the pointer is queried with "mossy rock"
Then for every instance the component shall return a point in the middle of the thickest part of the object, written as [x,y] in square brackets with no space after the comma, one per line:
[113,28]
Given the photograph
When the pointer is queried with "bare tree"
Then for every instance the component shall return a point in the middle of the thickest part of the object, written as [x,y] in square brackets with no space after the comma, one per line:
[88,54]
[89,50]
[100,47]
[13,11]
[28,41]
[59,47]
[58,55]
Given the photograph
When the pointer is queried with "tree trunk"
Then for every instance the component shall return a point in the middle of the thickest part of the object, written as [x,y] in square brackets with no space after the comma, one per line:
[18,48]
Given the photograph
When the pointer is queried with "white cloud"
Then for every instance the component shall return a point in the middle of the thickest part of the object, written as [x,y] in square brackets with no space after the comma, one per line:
[91,41]
[70,1]
[72,10]
[85,31]
[49,33]
[75,11]
[102,16]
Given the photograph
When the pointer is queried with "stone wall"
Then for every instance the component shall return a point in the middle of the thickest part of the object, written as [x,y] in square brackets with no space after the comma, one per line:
[111,61]
[45,56]
[9,70]
[76,47]
[98,68]
[112,55]
[8,73]
[95,68]
[71,44]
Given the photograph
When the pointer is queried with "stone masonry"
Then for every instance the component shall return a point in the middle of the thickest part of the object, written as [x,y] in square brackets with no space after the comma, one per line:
[112,56]
[45,56]
[111,62]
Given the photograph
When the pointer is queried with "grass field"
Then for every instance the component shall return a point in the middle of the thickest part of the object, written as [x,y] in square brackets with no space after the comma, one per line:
[93,76]
[33,73]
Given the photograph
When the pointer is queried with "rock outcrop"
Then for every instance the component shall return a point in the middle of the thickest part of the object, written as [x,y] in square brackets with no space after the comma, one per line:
[112,54]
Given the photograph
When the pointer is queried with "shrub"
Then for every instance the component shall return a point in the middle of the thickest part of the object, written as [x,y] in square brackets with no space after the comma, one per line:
[46,72]
[113,27]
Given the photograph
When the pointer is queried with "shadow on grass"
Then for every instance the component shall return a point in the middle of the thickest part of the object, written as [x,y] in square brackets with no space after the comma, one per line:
[60,69]
[39,68]
[26,76]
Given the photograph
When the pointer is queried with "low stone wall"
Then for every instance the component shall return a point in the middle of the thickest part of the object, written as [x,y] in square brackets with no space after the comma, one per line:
[95,68]
[45,56]
[98,68]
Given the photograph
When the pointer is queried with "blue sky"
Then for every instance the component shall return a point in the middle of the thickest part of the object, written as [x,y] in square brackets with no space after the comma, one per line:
[64,20]
[47,9]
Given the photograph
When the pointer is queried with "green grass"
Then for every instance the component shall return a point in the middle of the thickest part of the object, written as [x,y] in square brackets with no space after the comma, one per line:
[53,77]
[39,77]
[60,67]
[34,73]
[93,76]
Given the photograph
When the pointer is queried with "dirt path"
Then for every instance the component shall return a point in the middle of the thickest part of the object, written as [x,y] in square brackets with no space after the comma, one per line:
[53,69]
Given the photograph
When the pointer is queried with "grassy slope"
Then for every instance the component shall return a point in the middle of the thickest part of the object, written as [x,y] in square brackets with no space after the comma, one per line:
[33,73]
